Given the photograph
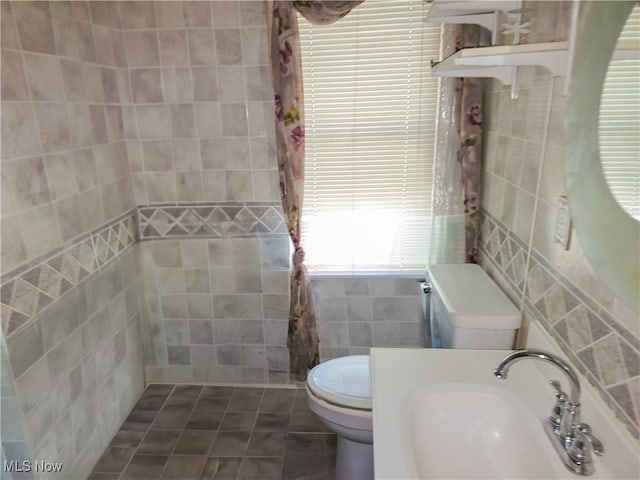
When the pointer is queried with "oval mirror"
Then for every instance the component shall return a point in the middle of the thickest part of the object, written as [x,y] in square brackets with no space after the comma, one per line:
[610,237]
[619,120]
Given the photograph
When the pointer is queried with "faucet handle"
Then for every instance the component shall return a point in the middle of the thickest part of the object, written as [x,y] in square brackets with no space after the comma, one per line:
[585,432]
[582,446]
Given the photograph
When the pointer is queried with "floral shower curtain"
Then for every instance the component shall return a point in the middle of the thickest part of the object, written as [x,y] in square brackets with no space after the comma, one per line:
[302,339]
[469,121]
[458,169]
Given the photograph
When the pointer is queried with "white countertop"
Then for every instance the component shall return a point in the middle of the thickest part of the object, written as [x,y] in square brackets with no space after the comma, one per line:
[397,372]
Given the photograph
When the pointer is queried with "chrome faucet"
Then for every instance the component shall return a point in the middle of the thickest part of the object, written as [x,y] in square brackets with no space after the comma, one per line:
[571,438]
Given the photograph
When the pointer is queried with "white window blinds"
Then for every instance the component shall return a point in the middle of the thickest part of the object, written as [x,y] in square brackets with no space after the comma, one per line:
[619,122]
[370,108]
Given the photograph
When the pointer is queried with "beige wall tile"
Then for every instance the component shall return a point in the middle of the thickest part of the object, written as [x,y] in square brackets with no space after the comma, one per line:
[182,121]
[146,84]
[232,84]
[173,47]
[254,48]
[40,231]
[85,168]
[235,119]
[189,187]
[115,126]
[14,80]
[226,14]
[138,14]
[236,153]
[187,155]
[178,87]
[259,86]
[61,175]
[73,81]
[19,131]
[142,49]
[12,248]
[158,155]
[104,46]
[229,46]
[110,85]
[215,186]
[197,14]
[161,187]
[76,40]
[34,26]
[9,32]
[205,84]
[169,14]
[153,121]
[212,154]
[239,185]
[98,123]
[208,119]
[119,48]
[93,83]
[53,124]
[105,13]
[201,47]
[124,89]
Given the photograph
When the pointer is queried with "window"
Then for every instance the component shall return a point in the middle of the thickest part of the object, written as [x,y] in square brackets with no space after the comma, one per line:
[370,112]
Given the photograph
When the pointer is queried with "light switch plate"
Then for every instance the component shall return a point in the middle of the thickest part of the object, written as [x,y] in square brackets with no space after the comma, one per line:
[563,223]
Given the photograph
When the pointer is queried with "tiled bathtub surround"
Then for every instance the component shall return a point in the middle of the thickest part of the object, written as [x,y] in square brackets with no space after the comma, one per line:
[356,313]
[200,127]
[217,309]
[64,86]
[78,367]
[523,179]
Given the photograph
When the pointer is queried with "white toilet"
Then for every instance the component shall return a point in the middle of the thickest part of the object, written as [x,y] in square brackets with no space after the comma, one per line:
[467,311]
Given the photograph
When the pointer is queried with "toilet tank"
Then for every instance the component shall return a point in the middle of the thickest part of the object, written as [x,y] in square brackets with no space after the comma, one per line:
[468,310]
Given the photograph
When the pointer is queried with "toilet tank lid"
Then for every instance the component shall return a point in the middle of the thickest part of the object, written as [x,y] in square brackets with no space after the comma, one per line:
[471,298]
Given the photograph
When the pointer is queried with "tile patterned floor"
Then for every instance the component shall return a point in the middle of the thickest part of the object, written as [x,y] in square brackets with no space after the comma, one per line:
[237,433]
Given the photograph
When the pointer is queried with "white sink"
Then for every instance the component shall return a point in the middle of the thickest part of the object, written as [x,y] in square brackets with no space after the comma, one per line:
[483,432]
[443,414]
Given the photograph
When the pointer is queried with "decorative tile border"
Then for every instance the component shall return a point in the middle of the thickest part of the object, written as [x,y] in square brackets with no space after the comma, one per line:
[604,350]
[505,253]
[213,220]
[27,291]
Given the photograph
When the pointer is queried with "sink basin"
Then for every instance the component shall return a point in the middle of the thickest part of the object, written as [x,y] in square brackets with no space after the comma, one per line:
[482,432]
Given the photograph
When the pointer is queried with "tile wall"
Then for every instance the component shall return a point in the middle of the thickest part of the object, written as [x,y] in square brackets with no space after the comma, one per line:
[78,368]
[217,309]
[523,179]
[70,299]
[200,128]
[356,313]
[64,155]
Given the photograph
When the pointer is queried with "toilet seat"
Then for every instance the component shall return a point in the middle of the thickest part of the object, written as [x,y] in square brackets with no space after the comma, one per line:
[343,381]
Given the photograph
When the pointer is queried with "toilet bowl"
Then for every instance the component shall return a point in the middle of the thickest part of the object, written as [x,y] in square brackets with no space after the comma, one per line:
[467,310]
[339,393]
